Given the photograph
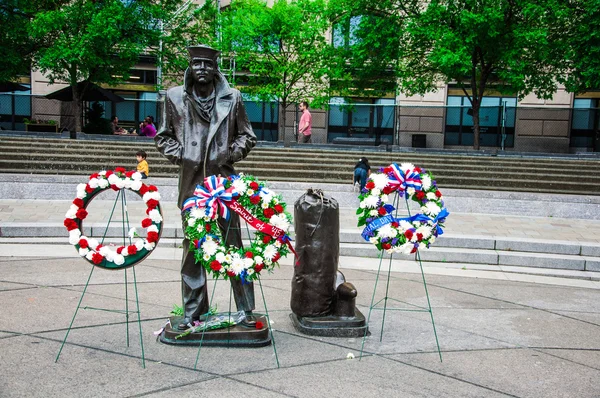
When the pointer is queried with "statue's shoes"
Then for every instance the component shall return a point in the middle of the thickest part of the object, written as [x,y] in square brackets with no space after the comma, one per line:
[185,324]
[248,322]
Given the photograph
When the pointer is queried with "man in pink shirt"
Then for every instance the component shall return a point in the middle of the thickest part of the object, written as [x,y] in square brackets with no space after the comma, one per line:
[304,129]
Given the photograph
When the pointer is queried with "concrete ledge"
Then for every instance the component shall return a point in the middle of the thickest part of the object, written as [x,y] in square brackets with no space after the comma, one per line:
[462,255]
[592,264]
[542,260]
[529,245]
[591,249]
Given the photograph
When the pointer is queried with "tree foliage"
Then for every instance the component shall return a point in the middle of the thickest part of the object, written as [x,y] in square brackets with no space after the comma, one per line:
[282,49]
[366,46]
[18,47]
[188,25]
[478,44]
[576,35]
[95,40]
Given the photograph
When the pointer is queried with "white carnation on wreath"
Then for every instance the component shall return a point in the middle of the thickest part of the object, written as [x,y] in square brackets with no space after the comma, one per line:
[431,208]
[197,212]
[387,231]
[371,201]
[426,181]
[425,231]
[239,185]
[136,185]
[280,221]
[380,180]
[237,265]
[270,252]
[155,216]
[406,167]
[210,247]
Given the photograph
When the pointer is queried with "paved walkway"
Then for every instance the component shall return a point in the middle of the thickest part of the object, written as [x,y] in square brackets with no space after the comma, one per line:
[499,338]
[485,225]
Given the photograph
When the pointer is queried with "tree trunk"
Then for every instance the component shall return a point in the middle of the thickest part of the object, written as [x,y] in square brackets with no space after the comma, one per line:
[475,107]
[76,110]
[283,122]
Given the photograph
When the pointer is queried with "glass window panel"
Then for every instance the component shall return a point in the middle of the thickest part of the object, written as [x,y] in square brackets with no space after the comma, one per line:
[338,36]
[583,115]
[337,116]
[354,26]
[361,116]
[490,101]
[125,110]
[6,104]
[467,119]
[488,116]
[384,116]
[254,111]
[451,139]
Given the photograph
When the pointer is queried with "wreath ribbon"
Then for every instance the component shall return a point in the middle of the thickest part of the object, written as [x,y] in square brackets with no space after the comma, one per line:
[380,222]
[401,181]
[261,226]
[213,196]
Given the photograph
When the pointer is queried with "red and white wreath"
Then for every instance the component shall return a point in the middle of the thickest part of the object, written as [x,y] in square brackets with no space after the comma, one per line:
[112,256]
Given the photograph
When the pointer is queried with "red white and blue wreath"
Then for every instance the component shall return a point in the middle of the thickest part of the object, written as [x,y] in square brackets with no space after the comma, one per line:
[260,207]
[401,235]
[112,256]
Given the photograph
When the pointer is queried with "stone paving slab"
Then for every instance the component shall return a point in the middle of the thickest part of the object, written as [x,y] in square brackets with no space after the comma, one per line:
[532,373]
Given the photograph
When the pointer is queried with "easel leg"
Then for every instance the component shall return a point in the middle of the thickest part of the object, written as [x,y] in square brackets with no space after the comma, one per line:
[268,321]
[385,300]
[137,302]
[126,310]
[429,306]
[205,324]
[371,306]
[75,314]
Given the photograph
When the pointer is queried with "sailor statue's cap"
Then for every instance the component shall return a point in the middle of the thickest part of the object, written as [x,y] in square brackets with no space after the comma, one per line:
[204,52]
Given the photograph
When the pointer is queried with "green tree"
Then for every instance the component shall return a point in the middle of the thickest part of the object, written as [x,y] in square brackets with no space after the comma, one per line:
[18,47]
[478,45]
[282,49]
[96,40]
[576,34]
[190,24]
[366,44]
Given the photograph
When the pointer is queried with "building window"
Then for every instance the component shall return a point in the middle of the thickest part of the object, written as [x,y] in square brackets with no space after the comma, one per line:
[364,118]
[14,108]
[263,116]
[148,106]
[345,33]
[585,122]
[142,76]
[496,121]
